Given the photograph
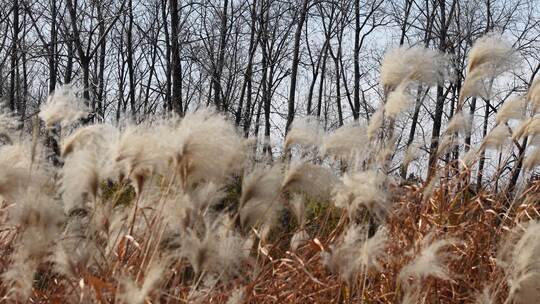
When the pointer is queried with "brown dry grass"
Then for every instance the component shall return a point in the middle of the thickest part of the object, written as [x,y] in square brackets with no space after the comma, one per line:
[277,275]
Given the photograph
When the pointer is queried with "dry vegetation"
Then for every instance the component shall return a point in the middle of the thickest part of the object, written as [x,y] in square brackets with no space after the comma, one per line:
[185,211]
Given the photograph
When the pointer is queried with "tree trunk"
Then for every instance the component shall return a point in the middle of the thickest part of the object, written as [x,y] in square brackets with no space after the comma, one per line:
[481,162]
[412,132]
[14,57]
[249,69]
[100,96]
[218,68]
[70,56]
[52,49]
[176,71]
[468,137]
[295,61]
[356,54]
[321,83]
[439,106]
[129,54]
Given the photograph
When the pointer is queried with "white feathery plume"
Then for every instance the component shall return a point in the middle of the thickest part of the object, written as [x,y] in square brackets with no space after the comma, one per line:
[497,137]
[63,106]
[431,261]
[298,207]
[411,154]
[345,142]
[406,64]
[39,220]
[386,151]
[100,140]
[218,251]
[132,293]
[373,249]
[447,142]
[535,140]
[205,196]
[314,181]
[470,157]
[341,259]
[411,297]
[80,179]
[521,130]
[19,172]
[306,132]
[204,147]
[259,199]
[460,123]
[485,297]
[98,137]
[533,96]
[520,258]
[19,278]
[8,126]
[533,129]
[237,296]
[532,159]
[489,57]
[363,189]
[430,186]
[398,101]
[513,109]
[298,239]
[138,154]
[375,123]
[8,122]
[356,252]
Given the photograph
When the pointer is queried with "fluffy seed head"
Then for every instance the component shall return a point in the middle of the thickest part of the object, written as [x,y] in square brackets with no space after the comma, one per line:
[219,250]
[346,142]
[533,96]
[405,64]
[80,180]
[520,258]
[313,180]
[489,57]
[470,157]
[460,123]
[375,123]
[512,109]
[306,132]
[259,199]
[356,252]
[8,126]
[532,159]
[446,143]
[298,239]
[363,189]
[63,106]
[485,297]
[237,296]
[132,293]
[398,101]
[205,147]
[430,261]
[411,154]
[497,138]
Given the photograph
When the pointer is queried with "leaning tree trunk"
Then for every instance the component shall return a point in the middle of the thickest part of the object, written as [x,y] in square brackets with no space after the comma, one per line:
[295,62]
[176,71]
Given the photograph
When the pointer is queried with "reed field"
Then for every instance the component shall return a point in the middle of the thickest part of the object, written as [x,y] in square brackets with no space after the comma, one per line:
[188,210]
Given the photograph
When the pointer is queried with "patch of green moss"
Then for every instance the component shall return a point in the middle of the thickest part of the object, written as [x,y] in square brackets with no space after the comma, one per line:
[321,217]
[233,191]
[118,194]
